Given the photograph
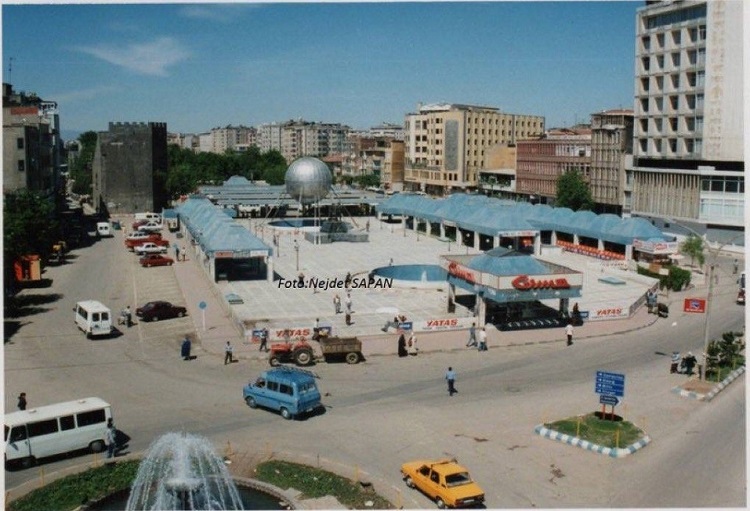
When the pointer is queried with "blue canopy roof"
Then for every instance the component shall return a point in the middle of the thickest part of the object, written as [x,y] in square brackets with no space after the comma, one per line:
[214,231]
[491,216]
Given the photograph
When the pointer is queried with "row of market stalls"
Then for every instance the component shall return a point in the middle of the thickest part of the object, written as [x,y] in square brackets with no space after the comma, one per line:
[506,283]
[226,249]
[485,223]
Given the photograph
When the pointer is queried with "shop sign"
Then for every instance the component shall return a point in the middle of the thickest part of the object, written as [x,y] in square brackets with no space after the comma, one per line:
[258,253]
[694,305]
[295,332]
[444,324]
[615,311]
[517,234]
[224,254]
[462,272]
[524,283]
[658,247]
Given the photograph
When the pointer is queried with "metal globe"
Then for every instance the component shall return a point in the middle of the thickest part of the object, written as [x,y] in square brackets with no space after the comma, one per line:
[308,180]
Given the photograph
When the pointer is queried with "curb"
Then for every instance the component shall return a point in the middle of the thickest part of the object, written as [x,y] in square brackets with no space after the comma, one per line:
[575,441]
[717,388]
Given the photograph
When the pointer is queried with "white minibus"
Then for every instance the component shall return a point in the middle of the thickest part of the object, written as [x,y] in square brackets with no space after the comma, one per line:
[148,216]
[93,318]
[103,229]
[55,429]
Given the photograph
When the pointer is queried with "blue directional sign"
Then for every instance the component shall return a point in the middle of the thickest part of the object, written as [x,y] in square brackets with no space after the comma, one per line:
[612,384]
[202,305]
[609,400]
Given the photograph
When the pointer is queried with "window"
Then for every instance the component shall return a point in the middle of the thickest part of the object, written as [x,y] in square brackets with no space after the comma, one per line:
[19,142]
[644,125]
[673,124]
[18,433]
[646,42]
[659,83]
[690,123]
[89,418]
[644,84]
[660,41]
[675,79]
[658,125]
[699,101]
[673,145]
[272,385]
[660,62]
[699,124]
[689,146]
[702,33]
[42,427]
[673,102]
[67,422]
[285,389]
[731,185]
[434,477]
[676,37]
[21,165]
[700,79]
[676,59]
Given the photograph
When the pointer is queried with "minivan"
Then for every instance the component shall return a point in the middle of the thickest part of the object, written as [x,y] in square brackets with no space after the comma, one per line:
[290,390]
[93,318]
[150,217]
[55,429]
[103,229]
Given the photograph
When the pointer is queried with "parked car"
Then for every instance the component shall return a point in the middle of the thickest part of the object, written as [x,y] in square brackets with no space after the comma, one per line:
[151,227]
[156,260]
[152,247]
[154,311]
[138,237]
[445,481]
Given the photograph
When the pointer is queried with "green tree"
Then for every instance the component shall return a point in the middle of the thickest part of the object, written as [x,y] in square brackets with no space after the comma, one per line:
[573,192]
[368,180]
[81,169]
[694,247]
[29,226]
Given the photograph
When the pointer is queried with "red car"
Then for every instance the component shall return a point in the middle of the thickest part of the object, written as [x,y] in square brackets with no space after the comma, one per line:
[154,311]
[156,260]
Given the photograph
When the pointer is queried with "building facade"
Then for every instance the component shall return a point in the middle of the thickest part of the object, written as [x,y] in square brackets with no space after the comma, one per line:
[231,138]
[611,155]
[295,139]
[381,156]
[130,168]
[32,148]
[540,162]
[688,162]
[445,144]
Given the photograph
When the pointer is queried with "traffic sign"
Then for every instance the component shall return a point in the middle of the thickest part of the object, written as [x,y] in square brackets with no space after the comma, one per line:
[609,400]
[612,384]
[202,305]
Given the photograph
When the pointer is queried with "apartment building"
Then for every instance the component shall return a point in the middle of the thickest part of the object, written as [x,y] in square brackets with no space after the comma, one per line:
[445,144]
[370,154]
[540,162]
[231,138]
[611,155]
[688,162]
[32,148]
[295,139]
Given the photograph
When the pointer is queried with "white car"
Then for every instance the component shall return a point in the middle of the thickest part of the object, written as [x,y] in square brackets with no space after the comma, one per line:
[150,248]
[151,227]
[137,235]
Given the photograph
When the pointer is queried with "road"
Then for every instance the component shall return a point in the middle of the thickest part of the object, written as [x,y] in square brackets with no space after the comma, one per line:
[389,410]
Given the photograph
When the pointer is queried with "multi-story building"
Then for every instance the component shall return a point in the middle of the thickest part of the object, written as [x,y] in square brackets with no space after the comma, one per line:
[32,146]
[498,176]
[611,155]
[688,134]
[445,144]
[129,168]
[388,130]
[295,139]
[269,137]
[380,156]
[540,162]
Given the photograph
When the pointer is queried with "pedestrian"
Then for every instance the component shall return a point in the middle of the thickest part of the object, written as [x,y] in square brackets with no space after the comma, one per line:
[316,330]
[176,252]
[128,316]
[390,262]
[110,438]
[689,361]
[675,364]
[337,303]
[185,348]
[348,318]
[348,280]
[228,353]
[348,303]
[411,345]
[183,252]
[264,340]
[450,377]
[301,280]
[736,267]
[569,333]
[402,346]
[367,226]
[22,401]
[472,336]
[482,340]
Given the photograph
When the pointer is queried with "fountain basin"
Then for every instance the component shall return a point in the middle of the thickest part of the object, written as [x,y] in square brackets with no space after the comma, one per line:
[416,276]
[299,224]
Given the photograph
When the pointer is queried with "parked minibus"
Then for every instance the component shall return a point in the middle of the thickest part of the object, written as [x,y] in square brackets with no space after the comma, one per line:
[55,429]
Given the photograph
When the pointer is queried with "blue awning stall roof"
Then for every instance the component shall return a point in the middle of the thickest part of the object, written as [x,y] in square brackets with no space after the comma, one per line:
[215,231]
[501,261]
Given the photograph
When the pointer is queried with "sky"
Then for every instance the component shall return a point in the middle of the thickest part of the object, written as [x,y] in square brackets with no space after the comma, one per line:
[200,66]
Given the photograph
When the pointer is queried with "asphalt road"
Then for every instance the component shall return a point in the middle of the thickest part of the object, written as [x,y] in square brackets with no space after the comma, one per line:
[389,410]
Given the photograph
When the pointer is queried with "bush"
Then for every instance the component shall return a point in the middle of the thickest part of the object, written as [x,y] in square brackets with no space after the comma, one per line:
[677,279]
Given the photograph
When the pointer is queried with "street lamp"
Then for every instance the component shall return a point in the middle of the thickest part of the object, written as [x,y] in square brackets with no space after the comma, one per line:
[296,250]
[710,272]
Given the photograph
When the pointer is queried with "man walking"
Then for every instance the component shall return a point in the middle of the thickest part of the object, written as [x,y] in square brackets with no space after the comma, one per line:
[482,339]
[450,377]
[110,438]
[263,340]
[228,353]
[22,401]
[348,303]
[337,303]
[185,348]
[569,333]
[472,336]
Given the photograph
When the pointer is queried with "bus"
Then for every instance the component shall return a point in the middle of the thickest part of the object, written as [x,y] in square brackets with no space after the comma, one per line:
[55,429]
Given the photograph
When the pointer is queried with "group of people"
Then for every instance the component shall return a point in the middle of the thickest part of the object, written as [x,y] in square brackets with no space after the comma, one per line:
[477,338]
[396,323]
[683,365]
[126,317]
[347,303]
[408,346]
[180,254]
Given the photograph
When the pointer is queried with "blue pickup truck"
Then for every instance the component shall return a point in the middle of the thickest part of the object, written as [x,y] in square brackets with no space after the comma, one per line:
[289,390]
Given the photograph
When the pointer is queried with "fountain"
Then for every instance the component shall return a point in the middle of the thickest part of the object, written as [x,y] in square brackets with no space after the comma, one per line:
[182,472]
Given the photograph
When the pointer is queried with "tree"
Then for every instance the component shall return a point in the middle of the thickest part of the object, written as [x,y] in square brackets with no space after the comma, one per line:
[29,226]
[693,247]
[81,170]
[573,192]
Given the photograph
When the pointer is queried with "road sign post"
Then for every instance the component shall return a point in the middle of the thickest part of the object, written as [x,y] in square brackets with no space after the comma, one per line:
[610,387]
[202,306]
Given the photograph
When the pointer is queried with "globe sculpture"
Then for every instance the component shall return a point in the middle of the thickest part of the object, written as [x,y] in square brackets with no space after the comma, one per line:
[308,180]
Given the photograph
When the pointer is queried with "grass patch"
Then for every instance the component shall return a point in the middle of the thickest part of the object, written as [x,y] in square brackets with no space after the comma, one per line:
[315,483]
[72,491]
[598,431]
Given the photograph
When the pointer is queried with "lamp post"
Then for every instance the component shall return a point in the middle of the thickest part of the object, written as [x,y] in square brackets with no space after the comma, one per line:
[714,255]
[296,250]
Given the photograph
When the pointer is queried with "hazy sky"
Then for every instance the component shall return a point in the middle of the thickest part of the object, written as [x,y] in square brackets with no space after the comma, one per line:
[198,66]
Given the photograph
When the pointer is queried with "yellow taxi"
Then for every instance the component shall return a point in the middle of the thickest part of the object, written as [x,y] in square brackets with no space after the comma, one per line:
[445,481]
